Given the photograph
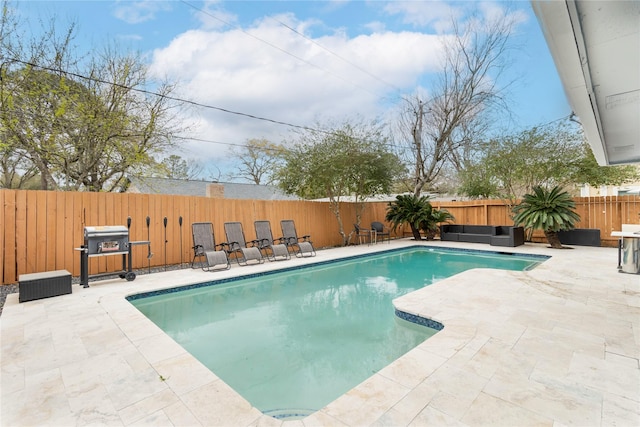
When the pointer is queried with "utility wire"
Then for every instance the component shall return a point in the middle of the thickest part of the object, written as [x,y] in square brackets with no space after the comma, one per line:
[173,98]
[197,104]
[241,145]
[336,55]
[230,144]
[277,48]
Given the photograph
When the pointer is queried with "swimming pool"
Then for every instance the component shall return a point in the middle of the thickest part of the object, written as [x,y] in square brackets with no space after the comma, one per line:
[291,342]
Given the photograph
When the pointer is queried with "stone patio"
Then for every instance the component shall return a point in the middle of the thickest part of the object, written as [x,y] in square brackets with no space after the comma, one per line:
[557,345]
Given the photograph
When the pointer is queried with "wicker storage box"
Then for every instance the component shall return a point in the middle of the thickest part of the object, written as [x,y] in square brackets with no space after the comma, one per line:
[43,285]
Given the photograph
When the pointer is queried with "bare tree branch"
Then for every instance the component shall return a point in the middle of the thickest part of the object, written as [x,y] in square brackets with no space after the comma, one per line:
[440,129]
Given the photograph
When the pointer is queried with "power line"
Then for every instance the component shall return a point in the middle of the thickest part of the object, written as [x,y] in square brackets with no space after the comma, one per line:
[161,95]
[278,48]
[186,101]
[173,98]
[281,148]
[189,138]
[335,54]
[230,144]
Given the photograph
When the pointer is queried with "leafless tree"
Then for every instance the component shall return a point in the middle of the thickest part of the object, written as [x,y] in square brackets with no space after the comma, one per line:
[439,129]
[176,167]
[257,161]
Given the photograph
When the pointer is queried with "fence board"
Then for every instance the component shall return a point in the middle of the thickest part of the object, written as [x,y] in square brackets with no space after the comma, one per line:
[142,209]
[107,206]
[3,224]
[10,272]
[154,212]
[179,230]
[630,210]
[136,230]
[166,208]
[40,226]
[49,232]
[73,227]
[21,233]
[41,229]
[32,231]
[56,233]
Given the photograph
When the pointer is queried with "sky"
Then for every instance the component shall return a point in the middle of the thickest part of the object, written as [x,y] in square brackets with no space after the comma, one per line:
[301,62]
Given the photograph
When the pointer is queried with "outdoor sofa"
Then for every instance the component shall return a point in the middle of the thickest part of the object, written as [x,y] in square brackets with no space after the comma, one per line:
[495,235]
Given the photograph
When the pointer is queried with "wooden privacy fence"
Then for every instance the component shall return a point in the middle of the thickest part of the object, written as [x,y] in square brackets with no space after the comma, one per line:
[40,229]
[604,213]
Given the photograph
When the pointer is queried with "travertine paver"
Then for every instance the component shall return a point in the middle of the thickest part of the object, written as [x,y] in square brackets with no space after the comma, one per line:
[488,410]
[557,345]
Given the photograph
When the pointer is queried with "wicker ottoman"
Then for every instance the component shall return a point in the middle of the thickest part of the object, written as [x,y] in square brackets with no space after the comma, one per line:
[43,285]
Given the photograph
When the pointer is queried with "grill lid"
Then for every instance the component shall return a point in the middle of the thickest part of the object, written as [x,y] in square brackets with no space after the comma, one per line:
[105,240]
[105,231]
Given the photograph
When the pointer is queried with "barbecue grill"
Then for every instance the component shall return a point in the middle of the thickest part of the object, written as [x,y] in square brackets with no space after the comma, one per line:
[104,241]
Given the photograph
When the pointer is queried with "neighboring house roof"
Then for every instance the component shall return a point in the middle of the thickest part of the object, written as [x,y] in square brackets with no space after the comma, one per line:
[186,187]
[392,197]
[256,192]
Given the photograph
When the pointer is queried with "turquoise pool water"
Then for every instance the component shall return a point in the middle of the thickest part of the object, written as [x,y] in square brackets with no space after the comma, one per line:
[292,342]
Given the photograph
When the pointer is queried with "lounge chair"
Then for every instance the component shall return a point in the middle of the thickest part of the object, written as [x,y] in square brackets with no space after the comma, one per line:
[363,234]
[273,251]
[380,231]
[205,248]
[302,246]
[237,245]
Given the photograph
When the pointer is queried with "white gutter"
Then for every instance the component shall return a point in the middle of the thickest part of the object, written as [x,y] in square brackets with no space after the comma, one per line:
[561,27]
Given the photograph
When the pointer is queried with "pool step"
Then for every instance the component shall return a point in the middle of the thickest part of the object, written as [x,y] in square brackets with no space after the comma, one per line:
[289,414]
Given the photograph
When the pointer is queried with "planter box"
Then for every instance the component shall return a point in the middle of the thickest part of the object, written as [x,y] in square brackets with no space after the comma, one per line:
[580,237]
[44,285]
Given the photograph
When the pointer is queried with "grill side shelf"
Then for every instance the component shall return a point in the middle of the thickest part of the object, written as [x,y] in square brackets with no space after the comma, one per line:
[109,253]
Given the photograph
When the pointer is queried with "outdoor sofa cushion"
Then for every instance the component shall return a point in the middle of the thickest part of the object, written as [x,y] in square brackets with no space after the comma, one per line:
[492,234]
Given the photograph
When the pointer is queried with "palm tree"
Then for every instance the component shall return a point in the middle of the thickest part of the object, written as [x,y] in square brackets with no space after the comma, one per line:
[438,216]
[418,213]
[547,210]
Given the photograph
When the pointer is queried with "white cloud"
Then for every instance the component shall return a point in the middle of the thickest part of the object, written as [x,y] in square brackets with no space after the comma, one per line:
[423,14]
[134,12]
[271,72]
[376,26]
[128,37]
[440,14]
[493,12]
[213,16]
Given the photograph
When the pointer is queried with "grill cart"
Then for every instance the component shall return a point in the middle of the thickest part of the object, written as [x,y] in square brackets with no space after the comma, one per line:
[105,241]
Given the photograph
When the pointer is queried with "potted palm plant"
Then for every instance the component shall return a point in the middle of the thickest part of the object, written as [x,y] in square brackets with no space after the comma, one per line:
[417,212]
[438,216]
[547,210]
